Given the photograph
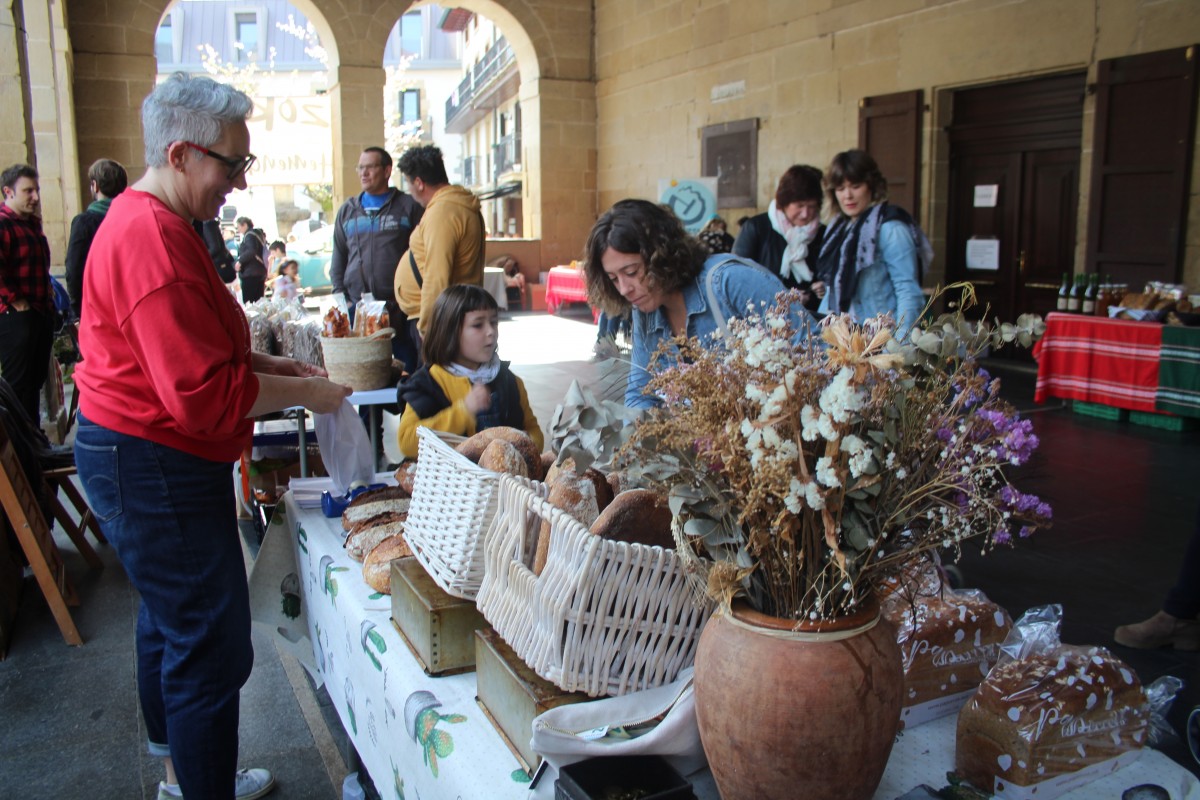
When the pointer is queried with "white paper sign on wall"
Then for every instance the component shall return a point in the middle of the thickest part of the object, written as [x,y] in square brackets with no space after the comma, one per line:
[986,195]
[983,254]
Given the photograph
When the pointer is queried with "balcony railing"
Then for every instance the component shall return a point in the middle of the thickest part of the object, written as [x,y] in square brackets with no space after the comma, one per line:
[472,171]
[506,154]
[494,61]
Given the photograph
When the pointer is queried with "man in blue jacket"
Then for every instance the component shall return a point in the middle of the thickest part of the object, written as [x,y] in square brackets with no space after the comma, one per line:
[370,235]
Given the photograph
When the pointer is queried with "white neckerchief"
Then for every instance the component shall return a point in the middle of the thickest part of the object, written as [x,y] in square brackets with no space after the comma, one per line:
[795,256]
[485,374]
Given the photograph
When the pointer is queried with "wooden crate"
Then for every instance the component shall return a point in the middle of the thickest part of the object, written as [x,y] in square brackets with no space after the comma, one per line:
[436,626]
[511,695]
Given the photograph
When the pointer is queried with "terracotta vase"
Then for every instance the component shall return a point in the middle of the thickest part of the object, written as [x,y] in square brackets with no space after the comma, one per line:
[808,714]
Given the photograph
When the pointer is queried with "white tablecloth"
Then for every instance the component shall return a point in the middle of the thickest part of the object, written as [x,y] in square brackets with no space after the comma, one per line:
[375,683]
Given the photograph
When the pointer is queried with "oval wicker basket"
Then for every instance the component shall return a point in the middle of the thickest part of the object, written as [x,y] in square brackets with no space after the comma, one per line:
[361,363]
[604,617]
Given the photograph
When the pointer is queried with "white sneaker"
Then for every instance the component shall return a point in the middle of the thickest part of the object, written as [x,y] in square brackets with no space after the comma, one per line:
[250,784]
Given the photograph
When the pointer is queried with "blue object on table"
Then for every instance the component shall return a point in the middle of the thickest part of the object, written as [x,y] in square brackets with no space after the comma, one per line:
[334,506]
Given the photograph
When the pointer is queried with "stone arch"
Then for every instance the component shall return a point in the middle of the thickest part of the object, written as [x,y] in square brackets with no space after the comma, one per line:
[114,68]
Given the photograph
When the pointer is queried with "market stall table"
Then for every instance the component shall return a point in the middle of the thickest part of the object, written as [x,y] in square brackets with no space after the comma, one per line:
[565,285]
[372,399]
[1140,366]
[427,737]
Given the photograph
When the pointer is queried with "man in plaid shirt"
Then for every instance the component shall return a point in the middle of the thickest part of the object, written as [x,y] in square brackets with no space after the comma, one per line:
[26,299]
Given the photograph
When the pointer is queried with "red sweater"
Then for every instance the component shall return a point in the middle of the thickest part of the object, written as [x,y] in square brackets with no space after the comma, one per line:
[166,347]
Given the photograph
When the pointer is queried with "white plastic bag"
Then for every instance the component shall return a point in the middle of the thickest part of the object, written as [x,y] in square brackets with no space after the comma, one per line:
[345,448]
[663,720]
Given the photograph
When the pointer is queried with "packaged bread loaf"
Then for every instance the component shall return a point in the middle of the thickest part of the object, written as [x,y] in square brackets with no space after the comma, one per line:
[1045,722]
[948,643]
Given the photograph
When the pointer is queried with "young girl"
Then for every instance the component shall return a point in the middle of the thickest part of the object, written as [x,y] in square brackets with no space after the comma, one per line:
[464,387]
[287,285]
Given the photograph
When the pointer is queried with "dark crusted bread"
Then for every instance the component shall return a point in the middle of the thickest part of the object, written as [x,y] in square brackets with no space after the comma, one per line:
[573,494]
[1046,715]
[357,513]
[636,516]
[363,541]
[382,493]
[947,643]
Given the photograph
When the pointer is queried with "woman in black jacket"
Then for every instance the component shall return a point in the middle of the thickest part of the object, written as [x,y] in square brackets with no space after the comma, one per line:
[250,264]
[787,238]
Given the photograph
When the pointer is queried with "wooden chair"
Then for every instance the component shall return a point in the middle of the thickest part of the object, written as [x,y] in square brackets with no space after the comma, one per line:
[25,515]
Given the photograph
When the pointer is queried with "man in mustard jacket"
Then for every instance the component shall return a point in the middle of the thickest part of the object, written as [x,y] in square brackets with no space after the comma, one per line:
[446,246]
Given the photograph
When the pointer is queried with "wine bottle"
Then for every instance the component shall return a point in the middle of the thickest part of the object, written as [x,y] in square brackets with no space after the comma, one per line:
[1089,295]
[1063,292]
[1075,299]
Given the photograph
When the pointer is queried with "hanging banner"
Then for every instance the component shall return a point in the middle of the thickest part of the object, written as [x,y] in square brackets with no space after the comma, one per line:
[293,139]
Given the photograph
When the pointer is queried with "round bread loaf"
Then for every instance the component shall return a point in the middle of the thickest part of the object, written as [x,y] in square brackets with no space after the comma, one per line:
[500,456]
[382,493]
[636,516]
[357,513]
[378,519]
[473,447]
[574,495]
[1049,714]
[614,483]
[361,542]
[604,492]
[548,459]
[377,566]
[406,476]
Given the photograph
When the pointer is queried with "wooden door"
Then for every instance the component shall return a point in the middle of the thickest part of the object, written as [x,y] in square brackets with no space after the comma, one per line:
[1020,144]
[889,128]
[1141,165]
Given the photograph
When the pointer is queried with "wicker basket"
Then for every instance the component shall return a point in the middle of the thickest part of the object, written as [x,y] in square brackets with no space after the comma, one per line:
[453,503]
[362,363]
[604,617]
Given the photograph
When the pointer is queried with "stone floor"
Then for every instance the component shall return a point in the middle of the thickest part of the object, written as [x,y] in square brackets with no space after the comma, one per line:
[1124,498]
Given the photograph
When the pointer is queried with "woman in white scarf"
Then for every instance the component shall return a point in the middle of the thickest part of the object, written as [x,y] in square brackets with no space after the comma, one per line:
[787,238]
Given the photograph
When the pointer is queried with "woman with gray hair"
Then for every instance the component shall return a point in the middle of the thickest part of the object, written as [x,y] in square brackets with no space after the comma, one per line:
[168,394]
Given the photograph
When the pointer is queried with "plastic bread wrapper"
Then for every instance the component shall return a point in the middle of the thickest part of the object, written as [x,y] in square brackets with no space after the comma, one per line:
[1039,632]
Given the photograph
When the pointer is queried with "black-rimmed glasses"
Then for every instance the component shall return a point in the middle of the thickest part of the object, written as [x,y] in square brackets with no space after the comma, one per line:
[237,166]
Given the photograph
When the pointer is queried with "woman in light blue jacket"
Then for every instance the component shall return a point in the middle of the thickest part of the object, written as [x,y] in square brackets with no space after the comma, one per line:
[873,253]
[639,255]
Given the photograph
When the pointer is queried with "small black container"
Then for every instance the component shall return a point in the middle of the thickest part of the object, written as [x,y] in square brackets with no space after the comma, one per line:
[590,779]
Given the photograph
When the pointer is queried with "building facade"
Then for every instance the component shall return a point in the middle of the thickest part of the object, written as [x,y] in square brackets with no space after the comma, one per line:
[618,93]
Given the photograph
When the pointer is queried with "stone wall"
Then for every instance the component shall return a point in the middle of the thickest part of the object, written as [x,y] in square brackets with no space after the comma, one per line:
[805,66]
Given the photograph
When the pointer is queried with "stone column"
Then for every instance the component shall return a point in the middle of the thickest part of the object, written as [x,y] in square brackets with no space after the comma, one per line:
[559,130]
[356,97]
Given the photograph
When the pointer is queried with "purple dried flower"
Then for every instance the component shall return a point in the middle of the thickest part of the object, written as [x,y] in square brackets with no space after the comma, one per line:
[1002,536]
[1025,532]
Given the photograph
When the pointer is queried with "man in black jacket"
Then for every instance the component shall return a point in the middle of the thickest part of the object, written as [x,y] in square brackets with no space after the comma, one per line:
[107,179]
[370,235]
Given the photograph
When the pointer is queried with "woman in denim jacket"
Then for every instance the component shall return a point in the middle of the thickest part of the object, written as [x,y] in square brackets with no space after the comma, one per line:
[639,255]
[873,253]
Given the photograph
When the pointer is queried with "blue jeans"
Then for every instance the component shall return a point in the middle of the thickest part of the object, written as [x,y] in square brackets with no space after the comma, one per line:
[172,520]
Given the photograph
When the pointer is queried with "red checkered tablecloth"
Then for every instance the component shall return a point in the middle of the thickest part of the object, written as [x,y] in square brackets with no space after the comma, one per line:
[1096,360]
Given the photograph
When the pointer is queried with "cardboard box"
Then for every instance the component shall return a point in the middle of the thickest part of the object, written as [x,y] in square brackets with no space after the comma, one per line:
[537,296]
[437,627]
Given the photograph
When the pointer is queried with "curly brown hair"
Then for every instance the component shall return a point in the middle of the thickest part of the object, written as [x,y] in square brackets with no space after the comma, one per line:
[673,259]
